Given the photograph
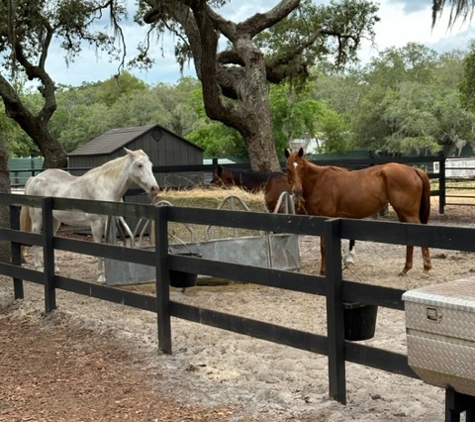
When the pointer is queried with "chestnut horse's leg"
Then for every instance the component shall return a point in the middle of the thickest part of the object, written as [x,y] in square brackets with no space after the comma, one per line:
[426,260]
[410,253]
[409,259]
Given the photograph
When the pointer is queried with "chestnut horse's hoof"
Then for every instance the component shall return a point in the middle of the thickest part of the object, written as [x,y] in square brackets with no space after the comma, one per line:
[402,274]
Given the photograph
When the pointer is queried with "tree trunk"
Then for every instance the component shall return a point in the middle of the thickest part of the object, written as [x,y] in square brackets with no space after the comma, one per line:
[52,151]
[5,250]
[250,113]
[36,126]
[257,129]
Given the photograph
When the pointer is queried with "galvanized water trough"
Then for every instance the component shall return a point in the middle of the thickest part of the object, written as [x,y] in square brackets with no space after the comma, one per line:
[269,250]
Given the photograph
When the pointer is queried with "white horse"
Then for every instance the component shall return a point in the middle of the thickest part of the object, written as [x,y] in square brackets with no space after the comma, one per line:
[108,182]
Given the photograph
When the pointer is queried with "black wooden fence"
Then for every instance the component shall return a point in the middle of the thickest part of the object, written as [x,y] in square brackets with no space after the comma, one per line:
[336,290]
[352,163]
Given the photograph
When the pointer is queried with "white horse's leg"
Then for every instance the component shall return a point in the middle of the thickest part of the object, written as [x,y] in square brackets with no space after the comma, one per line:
[56,224]
[97,228]
[36,226]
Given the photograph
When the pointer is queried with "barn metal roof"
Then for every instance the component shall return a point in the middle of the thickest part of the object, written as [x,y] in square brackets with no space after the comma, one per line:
[114,139]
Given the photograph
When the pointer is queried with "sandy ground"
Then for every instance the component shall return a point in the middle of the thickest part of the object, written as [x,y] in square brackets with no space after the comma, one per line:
[91,360]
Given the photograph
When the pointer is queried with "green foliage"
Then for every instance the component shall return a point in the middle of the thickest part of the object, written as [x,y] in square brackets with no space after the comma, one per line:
[85,123]
[218,140]
[70,21]
[467,84]
[215,138]
[88,111]
[334,130]
[118,86]
[293,114]
[406,100]
[332,32]
[17,143]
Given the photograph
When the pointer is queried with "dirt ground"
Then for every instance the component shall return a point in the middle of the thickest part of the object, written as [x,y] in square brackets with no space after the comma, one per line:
[95,361]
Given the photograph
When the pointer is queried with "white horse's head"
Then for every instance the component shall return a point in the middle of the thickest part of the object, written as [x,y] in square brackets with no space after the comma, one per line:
[141,171]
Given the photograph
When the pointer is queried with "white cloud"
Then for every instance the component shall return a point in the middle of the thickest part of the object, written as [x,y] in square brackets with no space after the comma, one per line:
[400,25]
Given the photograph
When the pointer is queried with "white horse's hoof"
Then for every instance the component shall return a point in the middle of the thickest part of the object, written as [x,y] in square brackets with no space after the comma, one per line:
[101,279]
[350,258]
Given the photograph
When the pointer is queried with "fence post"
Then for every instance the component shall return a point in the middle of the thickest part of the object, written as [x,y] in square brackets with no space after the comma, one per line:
[162,280]
[48,255]
[335,313]
[442,181]
[16,251]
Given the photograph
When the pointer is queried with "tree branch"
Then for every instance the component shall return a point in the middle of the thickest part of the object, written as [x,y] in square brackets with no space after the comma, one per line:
[256,23]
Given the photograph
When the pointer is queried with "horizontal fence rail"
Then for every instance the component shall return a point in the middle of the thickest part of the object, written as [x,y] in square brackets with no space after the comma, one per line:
[332,286]
[20,176]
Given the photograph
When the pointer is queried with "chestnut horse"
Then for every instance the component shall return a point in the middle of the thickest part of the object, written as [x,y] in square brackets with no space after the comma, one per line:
[338,192]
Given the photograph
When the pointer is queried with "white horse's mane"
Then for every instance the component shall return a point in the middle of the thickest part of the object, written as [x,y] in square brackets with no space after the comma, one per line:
[112,167]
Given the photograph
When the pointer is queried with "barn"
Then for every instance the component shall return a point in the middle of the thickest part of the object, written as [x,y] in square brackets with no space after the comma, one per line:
[164,148]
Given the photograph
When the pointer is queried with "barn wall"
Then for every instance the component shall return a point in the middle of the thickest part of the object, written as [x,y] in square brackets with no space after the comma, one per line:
[173,151]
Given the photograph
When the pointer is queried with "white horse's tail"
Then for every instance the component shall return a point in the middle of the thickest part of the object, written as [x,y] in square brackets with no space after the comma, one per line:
[25,219]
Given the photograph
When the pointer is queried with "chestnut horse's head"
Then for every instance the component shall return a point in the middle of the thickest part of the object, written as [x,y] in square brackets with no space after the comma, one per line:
[295,170]
[222,177]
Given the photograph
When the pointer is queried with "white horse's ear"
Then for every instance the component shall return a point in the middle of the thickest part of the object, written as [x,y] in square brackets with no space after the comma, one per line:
[128,151]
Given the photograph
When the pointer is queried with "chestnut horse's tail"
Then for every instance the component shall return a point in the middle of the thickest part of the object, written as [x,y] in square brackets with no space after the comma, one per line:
[424,210]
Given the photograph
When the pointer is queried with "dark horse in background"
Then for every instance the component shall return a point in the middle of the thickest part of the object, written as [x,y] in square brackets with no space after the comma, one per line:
[272,183]
[338,192]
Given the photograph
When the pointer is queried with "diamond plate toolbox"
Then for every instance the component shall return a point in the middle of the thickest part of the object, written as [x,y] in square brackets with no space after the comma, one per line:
[440,323]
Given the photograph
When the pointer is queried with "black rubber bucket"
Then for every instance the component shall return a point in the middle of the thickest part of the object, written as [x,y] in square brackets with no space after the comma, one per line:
[360,320]
[181,278]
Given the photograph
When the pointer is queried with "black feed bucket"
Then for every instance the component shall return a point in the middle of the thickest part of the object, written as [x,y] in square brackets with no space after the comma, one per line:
[181,278]
[360,320]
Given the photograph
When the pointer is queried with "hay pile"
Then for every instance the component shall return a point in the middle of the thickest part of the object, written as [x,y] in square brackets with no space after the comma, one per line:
[213,198]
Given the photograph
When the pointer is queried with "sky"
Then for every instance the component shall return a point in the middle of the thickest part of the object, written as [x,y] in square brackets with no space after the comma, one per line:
[402,21]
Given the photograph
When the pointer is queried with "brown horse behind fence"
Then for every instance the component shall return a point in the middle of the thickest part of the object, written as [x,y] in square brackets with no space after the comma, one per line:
[272,183]
[337,192]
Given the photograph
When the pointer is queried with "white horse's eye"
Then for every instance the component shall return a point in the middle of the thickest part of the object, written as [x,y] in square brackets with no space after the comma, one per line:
[140,166]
